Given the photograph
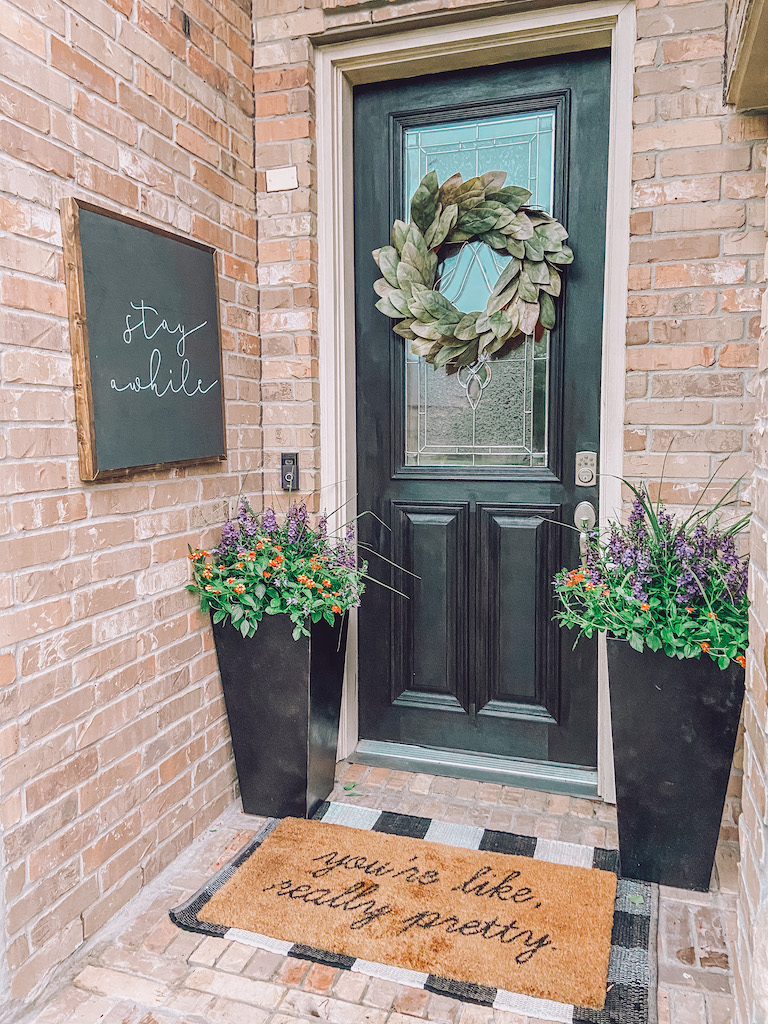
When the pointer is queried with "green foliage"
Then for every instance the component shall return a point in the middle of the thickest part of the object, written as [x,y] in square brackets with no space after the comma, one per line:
[458,211]
[677,586]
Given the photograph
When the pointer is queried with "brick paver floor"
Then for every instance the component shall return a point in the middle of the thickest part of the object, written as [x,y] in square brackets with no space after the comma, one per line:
[140,969]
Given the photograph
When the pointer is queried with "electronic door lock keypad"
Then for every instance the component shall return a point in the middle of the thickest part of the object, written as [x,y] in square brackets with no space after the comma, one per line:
[586,469]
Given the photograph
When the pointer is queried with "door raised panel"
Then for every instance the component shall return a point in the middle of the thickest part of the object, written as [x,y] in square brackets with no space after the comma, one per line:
[518,548]
[429,638]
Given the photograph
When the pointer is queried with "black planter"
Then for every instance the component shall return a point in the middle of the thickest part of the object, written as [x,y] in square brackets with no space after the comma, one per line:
[674,731]
[283,699]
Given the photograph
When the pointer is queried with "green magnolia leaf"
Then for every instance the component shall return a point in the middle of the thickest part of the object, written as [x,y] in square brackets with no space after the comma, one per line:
[466,329]
[512,196]
[399,234]
[534,249]
[483,323]
[440,307]
[508,274]
[423,347]
[552,233]
[387,260]
[407,276]
[424,201]
[527,290]
[448,189]
[475,222]
[493,180]
[432,330]
[385,306]
[547,311]
[495,239]
[503,300]
[515,248]
[445,223]
[562,257]
[529,317]
[538,273]
[520,227]
[413,258]
[555,283]
[500,323]
[403,329]
[445,354]
[467,356]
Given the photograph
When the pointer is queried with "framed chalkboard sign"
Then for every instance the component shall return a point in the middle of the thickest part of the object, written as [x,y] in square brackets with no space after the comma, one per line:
[146,345]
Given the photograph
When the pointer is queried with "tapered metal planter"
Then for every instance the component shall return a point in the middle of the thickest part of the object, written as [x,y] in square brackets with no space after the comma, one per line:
[283,699]
[674,731]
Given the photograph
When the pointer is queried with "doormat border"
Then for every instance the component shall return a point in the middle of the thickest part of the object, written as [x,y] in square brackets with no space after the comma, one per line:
[632,967]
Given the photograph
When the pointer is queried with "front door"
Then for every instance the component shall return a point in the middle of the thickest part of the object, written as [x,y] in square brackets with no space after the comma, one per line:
[471,476]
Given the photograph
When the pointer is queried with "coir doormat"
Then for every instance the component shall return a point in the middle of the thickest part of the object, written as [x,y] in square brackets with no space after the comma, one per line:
[532,926]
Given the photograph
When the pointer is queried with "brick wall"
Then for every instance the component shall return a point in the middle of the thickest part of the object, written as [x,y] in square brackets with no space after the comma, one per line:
[113,739]
[751,967]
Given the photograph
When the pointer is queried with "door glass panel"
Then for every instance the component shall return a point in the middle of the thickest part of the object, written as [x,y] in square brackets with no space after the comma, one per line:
[493,414]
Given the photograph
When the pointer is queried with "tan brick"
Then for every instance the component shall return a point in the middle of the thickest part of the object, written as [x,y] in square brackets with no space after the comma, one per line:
[687,412]
[705,132]
[700,217]
[659,357]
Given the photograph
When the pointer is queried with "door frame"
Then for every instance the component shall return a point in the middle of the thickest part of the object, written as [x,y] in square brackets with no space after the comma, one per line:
[448,47]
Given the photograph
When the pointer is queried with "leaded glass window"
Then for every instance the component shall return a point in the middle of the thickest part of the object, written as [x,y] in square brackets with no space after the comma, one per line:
[493,414]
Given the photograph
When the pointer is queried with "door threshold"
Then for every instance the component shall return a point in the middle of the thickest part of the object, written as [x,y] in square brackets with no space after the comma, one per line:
[547,776]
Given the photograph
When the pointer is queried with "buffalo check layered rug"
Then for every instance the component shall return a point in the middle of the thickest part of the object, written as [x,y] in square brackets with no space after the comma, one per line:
[533,926]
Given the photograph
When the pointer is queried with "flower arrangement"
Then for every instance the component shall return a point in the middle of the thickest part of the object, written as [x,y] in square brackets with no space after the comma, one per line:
[674,586]
[264,567]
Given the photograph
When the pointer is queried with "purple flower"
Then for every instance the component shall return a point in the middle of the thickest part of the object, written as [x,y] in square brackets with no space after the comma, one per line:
[269,521]
[322,527]
[349,533]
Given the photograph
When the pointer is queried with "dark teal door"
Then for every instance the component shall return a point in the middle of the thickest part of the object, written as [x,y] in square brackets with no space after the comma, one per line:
[473,474]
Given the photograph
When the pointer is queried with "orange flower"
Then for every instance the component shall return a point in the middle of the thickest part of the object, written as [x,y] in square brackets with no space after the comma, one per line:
[704,646]
[260,546]
[275,562]
[252,556]
[266,574]
[209,588]
[311,583]
[589,586]
[606,591]
[278,548]
[690,611]
[336,609]
[326,583]
[239,565]
[240,588]
[711,615]
[337,593]
[645,607]
[742,661]
[231,579]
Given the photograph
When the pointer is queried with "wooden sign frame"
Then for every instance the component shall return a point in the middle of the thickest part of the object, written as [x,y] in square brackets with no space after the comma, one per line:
[74,279]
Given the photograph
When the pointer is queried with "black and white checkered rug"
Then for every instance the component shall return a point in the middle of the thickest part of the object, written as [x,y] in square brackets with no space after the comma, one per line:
[631,997]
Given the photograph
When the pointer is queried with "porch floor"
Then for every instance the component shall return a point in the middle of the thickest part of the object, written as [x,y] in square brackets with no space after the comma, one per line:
[141,969]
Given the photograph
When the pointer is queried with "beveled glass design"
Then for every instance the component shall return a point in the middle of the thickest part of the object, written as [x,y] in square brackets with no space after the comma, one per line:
[495,413]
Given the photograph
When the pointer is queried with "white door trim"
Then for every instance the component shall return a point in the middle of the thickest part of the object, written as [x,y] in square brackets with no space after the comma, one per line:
[340,66]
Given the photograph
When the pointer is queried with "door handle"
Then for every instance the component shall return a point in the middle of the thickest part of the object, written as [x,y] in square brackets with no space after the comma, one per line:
[584,519]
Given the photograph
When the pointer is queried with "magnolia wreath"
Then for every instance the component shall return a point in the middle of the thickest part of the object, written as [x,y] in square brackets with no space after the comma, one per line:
[442,218]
